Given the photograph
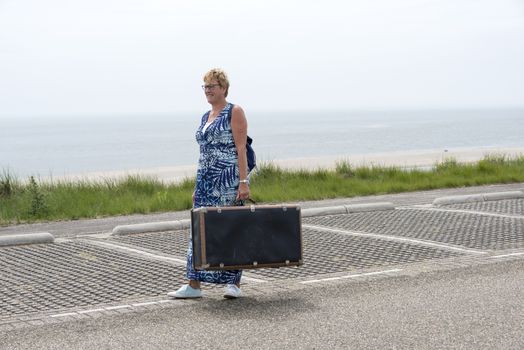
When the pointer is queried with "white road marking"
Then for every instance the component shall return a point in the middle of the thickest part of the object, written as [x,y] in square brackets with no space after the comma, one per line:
[164,301]
[505,255]
[90,311]
[109,308]
[182,262]
[415,206]
[394,238]
[141,252]
[118,307]
[351,276]
[461,211]
[65,315]
[145,304]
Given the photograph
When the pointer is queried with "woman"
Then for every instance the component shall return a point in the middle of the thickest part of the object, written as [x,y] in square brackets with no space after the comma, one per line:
[221,175]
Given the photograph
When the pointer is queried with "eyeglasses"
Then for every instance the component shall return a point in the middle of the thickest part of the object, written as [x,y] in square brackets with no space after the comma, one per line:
[209,87]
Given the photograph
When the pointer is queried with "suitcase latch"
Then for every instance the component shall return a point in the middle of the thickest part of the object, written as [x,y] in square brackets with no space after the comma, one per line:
[255,263]
[252,208]
[221,265]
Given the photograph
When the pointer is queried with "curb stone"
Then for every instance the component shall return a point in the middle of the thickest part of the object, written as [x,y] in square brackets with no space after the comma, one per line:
[184,224]
[481,197]
[151,227]
[29,238]
[347,209]
[380,206]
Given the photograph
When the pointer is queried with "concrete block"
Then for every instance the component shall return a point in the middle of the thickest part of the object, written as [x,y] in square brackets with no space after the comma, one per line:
[28,238]
[345,209]
[496,196]
[151,227]
[323,211]
[357,208]
[459,199]
[481,197]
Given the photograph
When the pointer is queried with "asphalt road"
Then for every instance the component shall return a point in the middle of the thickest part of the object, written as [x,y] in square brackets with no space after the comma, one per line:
[480,307]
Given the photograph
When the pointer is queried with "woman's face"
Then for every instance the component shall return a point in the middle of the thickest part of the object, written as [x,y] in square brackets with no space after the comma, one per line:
[214,92]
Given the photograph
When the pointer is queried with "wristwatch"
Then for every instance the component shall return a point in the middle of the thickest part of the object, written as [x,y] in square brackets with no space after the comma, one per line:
[246,181]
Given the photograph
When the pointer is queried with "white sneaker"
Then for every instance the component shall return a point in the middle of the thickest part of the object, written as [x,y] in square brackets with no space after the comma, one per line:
[232,291]
[186,292]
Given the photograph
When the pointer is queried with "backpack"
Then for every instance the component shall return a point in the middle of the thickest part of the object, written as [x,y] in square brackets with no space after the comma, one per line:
[251,156]
[250,152]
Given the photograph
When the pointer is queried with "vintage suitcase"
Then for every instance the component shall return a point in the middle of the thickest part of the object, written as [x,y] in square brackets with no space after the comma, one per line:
[248,237]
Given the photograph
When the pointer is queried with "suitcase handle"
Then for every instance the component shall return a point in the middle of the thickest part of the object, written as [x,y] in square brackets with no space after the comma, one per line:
[240,202]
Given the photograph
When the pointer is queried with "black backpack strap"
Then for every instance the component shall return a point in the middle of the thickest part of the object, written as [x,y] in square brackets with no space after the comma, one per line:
[251,157]
[230,111]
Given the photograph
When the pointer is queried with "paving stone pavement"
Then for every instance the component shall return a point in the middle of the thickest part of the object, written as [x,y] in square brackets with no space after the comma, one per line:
[508,206]
[462,229]
[88,273]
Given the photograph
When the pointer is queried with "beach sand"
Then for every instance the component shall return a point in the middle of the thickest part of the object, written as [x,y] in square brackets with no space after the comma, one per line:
[423,159]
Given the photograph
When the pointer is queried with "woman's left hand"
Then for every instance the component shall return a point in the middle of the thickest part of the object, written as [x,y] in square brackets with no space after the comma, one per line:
[243,191]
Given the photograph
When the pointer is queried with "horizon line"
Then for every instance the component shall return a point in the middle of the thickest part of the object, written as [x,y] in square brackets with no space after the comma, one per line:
[256,111]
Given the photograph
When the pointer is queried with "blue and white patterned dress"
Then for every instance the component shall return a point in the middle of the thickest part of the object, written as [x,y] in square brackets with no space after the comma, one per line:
[217,182]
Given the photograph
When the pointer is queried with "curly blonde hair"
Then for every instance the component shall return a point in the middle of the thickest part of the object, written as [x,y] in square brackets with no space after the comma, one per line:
[220,76]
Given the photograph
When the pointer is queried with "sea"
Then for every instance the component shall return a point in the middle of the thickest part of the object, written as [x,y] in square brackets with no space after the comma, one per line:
[59,146]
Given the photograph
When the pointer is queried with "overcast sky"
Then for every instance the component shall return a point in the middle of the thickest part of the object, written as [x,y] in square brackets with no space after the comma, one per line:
[102,57]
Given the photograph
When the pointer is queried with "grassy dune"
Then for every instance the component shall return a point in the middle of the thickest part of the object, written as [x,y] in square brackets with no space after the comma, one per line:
[29,201]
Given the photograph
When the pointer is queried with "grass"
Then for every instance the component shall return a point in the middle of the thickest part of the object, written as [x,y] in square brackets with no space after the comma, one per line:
[34,200]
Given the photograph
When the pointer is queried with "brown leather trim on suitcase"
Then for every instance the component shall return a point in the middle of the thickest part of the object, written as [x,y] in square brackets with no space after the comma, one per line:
[203,239]
[258,266]
[248,207]
[300,262]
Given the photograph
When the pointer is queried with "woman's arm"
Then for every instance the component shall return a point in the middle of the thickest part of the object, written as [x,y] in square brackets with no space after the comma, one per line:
[239,127]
